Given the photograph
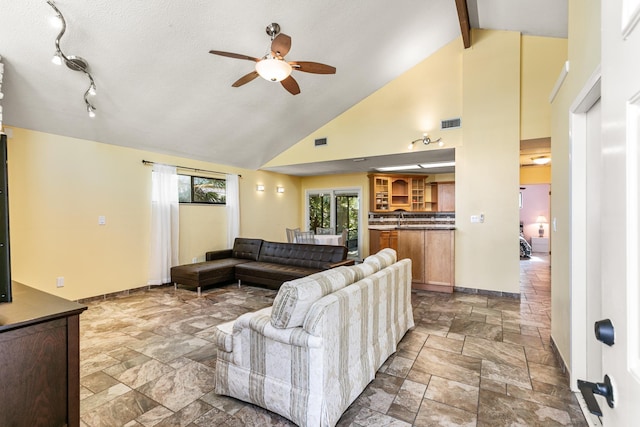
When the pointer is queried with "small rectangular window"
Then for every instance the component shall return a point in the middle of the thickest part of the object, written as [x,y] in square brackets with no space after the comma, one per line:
[198,189]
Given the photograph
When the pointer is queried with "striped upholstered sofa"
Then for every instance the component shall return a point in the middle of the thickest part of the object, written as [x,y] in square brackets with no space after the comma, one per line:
[309,355]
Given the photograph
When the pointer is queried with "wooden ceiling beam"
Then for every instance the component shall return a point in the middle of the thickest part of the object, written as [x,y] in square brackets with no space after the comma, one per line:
[465,27]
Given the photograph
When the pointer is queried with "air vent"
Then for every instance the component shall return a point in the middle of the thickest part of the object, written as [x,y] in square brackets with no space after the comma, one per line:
[450,123]
[320,141]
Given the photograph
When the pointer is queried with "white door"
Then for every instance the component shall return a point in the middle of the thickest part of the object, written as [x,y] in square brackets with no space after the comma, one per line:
[620,207]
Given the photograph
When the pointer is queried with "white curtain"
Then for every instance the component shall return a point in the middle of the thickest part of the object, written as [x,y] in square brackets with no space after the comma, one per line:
[164,224]
[233,209]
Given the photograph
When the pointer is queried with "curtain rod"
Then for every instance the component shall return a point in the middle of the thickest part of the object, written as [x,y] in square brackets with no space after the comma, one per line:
[148,162]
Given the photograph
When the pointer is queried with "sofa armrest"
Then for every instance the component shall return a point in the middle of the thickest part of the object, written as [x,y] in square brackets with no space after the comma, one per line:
[260,322]
[221,254]
[341,263]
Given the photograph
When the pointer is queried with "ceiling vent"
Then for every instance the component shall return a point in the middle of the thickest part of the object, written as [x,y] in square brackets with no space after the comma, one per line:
[320,141]
[450,123]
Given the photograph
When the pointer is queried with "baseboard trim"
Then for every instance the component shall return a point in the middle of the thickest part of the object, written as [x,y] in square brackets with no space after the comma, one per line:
[514,295]
[560,360]
[123,293]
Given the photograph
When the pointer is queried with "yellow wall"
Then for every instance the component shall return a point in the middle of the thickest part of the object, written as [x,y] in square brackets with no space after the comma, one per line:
[387,120]
[584,58]
[58,202]
[535,175]
[58,187]
[487,164]
[542,59]
[482,85]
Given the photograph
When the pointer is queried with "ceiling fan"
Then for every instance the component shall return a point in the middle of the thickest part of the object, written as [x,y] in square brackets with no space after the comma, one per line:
[273,66]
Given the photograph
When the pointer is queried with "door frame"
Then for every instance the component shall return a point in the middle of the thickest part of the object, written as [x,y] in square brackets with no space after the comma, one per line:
[586,99]
[333,192]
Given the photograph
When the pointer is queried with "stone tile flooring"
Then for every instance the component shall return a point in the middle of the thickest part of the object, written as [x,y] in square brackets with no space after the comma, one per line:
[148,359]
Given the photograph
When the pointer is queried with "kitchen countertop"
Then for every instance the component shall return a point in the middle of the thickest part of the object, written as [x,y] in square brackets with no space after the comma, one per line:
[413,227]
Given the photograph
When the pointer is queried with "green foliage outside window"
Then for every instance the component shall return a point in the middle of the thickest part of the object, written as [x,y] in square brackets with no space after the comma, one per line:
[197,189]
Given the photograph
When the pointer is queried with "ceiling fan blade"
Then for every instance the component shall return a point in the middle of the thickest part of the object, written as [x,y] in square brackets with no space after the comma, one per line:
[291,85]
[234,55]
[245,79]
[312,67]
[281,45]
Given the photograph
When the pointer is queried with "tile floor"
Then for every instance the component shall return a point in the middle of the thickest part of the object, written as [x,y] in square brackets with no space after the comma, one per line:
[147,359]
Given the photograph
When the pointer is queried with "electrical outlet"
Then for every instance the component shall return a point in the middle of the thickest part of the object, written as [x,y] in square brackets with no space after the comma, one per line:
[194,260]
[102,220]
[59,282]
[475,218]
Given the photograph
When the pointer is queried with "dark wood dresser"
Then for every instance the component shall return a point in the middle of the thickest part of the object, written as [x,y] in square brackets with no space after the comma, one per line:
[39,360]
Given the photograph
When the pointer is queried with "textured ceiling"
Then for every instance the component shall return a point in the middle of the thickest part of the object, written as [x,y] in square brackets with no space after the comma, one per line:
[160,90]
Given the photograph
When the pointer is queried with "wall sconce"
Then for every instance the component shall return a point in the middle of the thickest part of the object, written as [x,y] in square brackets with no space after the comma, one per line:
[259,187]
[426,141]
[279,189]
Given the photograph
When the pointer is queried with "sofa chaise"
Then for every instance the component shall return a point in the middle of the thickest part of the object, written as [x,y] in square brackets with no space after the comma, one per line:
[309,355]
[259,262]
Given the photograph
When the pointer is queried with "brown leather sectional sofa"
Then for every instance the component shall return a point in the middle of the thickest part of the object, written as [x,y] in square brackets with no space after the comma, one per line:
[260,262]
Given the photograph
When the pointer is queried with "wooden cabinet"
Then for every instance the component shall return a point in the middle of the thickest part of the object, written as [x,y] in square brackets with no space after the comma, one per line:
[410,193]
[424,195]
[380,192]
[380,239]
[446,196]
[439,260]
[432,258]
[40,355]
[411,245]
[400,192]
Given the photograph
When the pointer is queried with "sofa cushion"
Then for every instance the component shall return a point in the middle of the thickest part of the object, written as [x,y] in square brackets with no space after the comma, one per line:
[382,259]
[270,274]
[296,297]
[205,273]
[363,270]
[301,255]
[246,248]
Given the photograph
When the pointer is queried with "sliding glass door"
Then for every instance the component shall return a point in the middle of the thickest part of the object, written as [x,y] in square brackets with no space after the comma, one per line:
[338,209]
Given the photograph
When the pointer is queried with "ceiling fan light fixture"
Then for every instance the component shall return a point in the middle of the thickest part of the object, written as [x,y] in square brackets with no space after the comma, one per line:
[274,70]
[542,160]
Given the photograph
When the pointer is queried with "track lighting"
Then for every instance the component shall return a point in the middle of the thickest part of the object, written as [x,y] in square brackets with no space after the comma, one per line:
[74,63]
[426,141]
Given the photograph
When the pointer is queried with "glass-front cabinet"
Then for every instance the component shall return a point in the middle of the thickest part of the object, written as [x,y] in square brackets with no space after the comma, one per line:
[416,193]
[380,188]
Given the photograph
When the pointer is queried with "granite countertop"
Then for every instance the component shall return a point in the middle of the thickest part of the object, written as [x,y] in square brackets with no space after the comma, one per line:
[412,227]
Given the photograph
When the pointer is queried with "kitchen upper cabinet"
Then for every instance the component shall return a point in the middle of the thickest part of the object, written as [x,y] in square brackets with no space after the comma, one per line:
[446,196]
[400,191]
[380,191]
[410,193]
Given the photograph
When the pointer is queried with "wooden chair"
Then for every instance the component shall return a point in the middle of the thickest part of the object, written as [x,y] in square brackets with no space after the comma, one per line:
[305,237]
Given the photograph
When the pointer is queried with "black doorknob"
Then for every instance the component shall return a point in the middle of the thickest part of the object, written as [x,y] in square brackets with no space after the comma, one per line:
[604,332]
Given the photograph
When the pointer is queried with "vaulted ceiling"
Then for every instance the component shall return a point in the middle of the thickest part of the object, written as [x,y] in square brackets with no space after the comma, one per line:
[159,89]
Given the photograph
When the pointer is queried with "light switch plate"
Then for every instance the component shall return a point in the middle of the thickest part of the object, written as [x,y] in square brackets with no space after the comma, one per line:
[102,220]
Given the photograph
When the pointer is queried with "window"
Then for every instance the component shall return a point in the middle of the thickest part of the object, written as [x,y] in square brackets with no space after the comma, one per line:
[198,189]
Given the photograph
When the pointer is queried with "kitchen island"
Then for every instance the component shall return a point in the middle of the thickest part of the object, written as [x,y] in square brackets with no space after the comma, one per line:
[428,240]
